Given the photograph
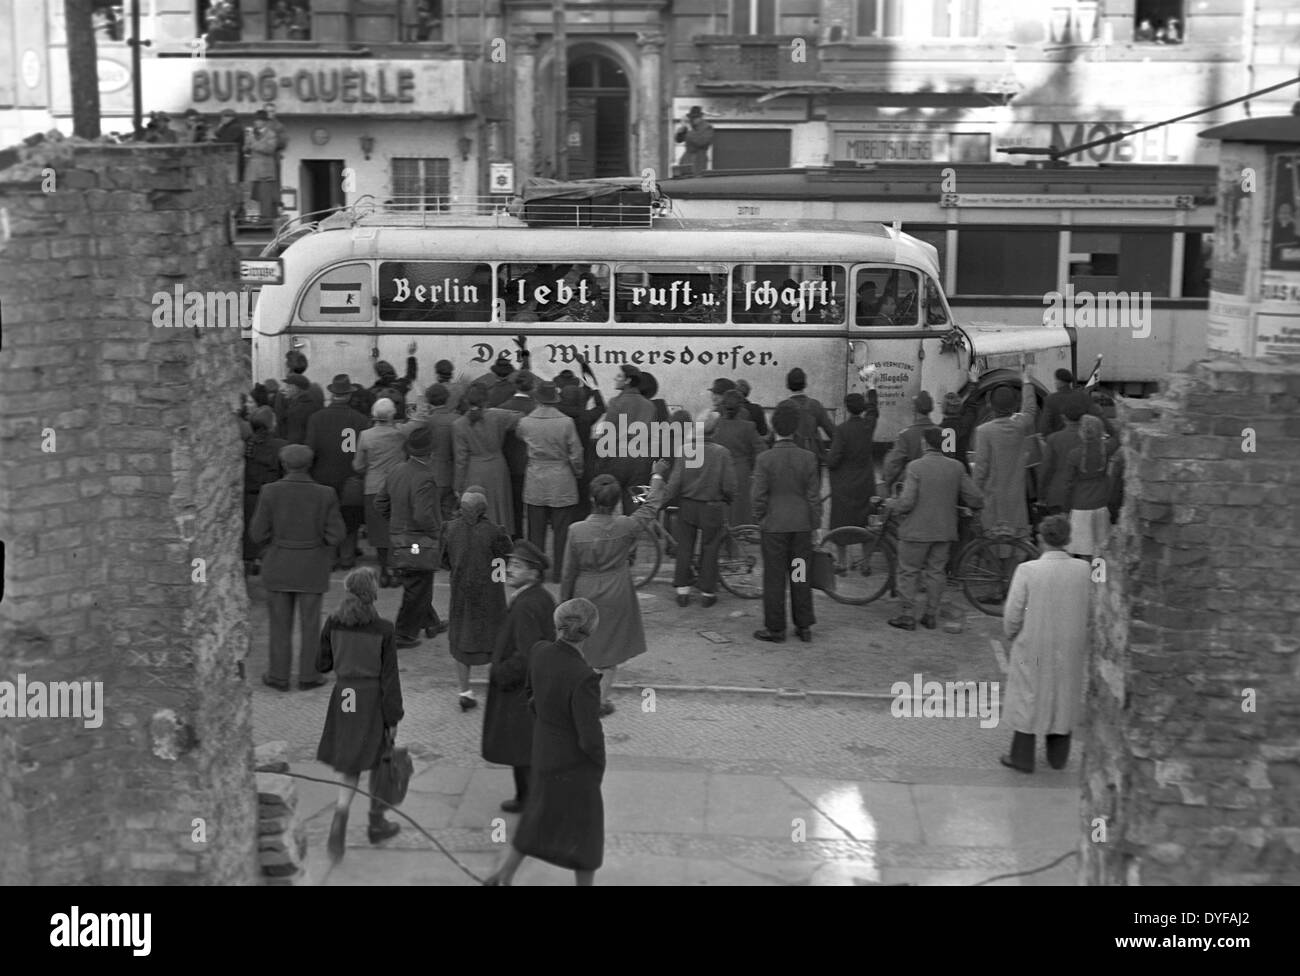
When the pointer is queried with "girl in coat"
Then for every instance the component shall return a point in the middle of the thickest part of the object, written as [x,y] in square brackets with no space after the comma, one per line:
[477,439]
[359,648]
[596,567]
[478,604]
[1087,487]
[564,821]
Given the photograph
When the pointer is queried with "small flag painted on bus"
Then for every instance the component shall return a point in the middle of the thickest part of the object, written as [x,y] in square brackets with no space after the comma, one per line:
[340,299]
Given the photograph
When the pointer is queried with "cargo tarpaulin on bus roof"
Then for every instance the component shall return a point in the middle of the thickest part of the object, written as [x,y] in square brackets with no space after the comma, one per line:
[610,202]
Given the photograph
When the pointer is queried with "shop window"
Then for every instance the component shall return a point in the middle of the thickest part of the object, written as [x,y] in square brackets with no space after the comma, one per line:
[421,184]
[690,294]
[1198,252]
[435,291]
[788,294]
[751,149]
[753,16]
[421,20]
[885,297]
[1006,262]
[1158,22]
[878,18]
[555,292]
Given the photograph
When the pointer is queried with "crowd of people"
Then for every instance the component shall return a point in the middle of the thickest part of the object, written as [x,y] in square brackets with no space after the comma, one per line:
[469,475]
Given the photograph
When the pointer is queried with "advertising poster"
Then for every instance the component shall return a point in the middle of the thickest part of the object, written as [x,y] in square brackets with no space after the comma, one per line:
[1283,239]
[1232,224]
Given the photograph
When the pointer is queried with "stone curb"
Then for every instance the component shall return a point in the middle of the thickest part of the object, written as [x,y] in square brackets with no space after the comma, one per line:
[784,694]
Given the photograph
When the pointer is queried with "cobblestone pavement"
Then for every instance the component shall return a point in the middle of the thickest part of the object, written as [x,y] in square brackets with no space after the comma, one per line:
[716,789]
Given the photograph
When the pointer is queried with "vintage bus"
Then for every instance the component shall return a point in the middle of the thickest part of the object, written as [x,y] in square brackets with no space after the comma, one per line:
[1009,235]
[689,303]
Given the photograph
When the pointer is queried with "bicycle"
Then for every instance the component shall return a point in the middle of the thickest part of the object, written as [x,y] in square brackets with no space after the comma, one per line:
[740,559]
[982,565]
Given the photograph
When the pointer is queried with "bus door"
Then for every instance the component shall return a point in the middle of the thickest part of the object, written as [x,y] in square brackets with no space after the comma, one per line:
[897,324]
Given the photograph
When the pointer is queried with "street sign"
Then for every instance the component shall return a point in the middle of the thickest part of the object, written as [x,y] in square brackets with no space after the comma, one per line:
[502,177]
[262,271]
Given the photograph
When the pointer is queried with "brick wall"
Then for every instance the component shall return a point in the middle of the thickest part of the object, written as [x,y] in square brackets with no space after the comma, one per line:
[101,532]
[1200,608]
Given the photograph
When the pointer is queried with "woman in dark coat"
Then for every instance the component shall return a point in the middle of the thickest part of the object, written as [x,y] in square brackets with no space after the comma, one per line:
[359,648]
[507,721]
[478,604]
[564,821]
[737,433]
[261,467]
[852,480]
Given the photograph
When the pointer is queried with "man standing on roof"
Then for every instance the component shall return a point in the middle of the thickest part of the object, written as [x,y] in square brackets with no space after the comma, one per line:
[698,137]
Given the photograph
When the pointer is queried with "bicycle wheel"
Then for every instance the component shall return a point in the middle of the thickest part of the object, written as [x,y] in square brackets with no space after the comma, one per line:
[643,561]
[985,567]
[740,562]
[871,564]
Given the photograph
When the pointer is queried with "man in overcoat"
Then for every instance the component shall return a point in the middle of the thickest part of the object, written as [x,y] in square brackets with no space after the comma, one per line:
[299,523]
[908,445]
[332,435]
[409,500]
[554,465]
[1046,619]
[507,720]
[1000,456]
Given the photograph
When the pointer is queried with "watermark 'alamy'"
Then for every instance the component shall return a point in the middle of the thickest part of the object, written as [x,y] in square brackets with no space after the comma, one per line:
[55,699]
[950,699]
[181,309]
[1099,310]
[652,439]
[76,930]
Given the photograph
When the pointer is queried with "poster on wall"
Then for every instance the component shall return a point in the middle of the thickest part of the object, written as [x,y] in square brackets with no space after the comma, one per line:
[1283,239]
[1232,223]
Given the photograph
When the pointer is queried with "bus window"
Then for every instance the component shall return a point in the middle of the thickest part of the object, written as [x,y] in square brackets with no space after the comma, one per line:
[340,295]
[788,293]
[555,292]
[690,294]
[434,291]
[885,297]
[935,314]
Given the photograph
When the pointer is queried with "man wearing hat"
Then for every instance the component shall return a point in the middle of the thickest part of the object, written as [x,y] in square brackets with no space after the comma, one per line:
[720,387]
[999,466]
[440,419]
[445,374]
[754,410]
[574,397]
[812,416]
[513,447]
[409,500]
[698,137]
[229,130]
[299,523]
[261,468]
[332,435]
[554,465]
[1067,394]
[636,412]
[908,445]
[264,168]
[298,405]
[507,719]
[497,381]
[398,389]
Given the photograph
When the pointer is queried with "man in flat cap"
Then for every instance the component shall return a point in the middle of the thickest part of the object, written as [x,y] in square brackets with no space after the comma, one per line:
[299,522]
[333,434]
[507,720]
[909,444]
[999,466]
[410,501]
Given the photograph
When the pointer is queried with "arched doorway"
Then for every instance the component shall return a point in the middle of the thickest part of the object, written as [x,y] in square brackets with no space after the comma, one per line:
[599,113]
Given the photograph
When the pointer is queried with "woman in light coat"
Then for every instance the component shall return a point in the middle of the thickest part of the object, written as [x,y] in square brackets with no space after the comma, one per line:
[477,440]
[596,568]
[1046,618]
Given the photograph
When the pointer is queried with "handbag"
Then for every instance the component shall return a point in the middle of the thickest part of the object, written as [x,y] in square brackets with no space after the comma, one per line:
[393,775]
[414,554]
[821,571]
[352,495]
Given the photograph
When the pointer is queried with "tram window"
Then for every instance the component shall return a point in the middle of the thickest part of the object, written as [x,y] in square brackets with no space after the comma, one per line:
[687,294]
[885,297]
[435,291]
[555,292]
[1198,251]
[1006,262]
[788,294]
[1124,261]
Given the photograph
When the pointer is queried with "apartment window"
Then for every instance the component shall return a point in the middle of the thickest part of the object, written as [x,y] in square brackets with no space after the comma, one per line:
[1158,22]
[956,18]
[290,20]
[1006,262]
[879,18]
[421,184]
[753,16]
